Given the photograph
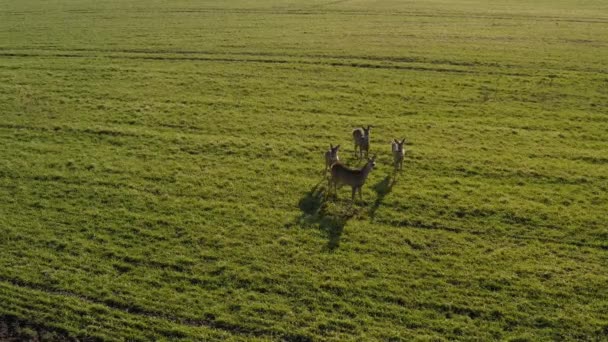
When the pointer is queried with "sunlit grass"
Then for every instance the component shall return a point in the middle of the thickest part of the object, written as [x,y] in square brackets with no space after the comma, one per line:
[161,170]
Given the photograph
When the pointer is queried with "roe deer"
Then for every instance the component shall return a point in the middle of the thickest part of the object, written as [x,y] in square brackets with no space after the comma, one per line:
[361,139]
[398,153]
[331,156]
[342,175]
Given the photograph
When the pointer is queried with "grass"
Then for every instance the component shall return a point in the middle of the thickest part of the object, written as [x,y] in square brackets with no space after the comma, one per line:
[161,171]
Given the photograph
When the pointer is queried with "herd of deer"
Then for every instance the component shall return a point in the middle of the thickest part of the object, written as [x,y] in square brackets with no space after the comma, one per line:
[355,178]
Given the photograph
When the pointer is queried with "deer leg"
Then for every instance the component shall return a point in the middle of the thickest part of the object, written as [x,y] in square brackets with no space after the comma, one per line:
[354,192]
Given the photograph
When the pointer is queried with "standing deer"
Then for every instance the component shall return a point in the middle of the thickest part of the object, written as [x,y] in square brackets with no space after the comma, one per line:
[361,139]
[398,153]
[331,156]
[342,175]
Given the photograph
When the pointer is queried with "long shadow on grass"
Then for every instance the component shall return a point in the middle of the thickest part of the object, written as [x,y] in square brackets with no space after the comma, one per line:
[331,217]
[382,188]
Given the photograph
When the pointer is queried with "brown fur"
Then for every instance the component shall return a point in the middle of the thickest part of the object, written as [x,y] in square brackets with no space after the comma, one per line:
[331,156]
[342,175]
[398,153]
[361,140]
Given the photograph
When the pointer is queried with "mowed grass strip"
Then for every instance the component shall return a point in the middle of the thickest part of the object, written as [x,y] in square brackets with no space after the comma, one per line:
[165,181]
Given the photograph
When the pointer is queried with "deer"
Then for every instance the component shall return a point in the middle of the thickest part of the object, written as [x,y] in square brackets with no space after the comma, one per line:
[398,153]
[331,156]
[342,175]
[361,139]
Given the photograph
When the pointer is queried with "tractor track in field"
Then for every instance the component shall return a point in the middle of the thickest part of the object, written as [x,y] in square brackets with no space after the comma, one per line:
[11,325]
[245,60]
[208,321]
[332,62]
[452,15]
[518,238]
[321,9]
[355,61]
[401,59]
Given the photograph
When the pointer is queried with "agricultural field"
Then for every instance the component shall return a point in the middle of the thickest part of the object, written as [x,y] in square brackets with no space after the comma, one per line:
[161,170]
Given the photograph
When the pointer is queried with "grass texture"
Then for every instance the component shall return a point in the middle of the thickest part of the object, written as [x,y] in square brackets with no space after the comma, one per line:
[161,170]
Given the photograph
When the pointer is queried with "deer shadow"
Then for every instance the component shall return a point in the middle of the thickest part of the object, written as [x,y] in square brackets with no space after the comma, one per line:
[330,217]
[382,188]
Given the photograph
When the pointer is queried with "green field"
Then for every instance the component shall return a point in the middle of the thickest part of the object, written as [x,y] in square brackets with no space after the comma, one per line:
[161,170]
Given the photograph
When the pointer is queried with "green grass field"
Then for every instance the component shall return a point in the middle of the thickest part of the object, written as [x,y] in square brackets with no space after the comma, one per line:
[161,170]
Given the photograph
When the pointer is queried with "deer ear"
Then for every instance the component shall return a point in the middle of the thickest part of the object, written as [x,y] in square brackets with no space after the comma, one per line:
[337,147]
[331,146]
[402,141]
